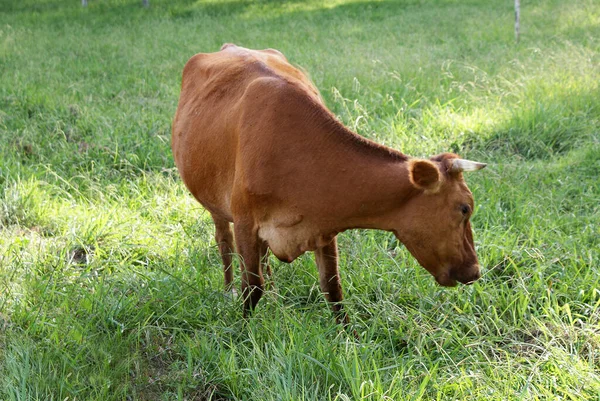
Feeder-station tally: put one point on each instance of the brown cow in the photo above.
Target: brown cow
(256, 146)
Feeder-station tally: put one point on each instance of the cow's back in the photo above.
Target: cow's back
(207, 124)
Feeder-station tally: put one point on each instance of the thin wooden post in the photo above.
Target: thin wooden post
(517, 19)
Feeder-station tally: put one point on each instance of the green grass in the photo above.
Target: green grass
(110, 280)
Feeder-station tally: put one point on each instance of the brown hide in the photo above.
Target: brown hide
(256, 146)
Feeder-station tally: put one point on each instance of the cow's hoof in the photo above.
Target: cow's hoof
(231, 294)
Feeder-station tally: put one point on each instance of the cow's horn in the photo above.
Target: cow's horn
(459, 165)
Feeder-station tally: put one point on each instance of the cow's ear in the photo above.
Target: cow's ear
(424, 174)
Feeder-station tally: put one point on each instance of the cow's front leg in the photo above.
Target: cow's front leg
(249, 250)
(329, 279)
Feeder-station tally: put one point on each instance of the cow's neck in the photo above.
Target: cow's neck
(373, 185)
(381, 191)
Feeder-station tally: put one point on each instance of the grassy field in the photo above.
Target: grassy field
(110, 280)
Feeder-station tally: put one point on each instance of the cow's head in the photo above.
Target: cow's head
(434, 222)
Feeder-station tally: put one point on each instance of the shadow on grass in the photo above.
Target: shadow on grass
(31, 6)
(103, 13)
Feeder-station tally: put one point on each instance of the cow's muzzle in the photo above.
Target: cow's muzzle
(468, 276)
(445, 280)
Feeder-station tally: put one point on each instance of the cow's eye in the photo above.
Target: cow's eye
(465, 209)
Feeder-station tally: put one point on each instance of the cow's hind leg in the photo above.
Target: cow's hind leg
(224, 238)
(329, 279)
(249, 250)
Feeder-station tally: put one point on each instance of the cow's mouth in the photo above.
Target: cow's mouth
(451, 279)
(468, 279)
(445, 280)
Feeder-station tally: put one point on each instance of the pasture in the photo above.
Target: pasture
(111, 284)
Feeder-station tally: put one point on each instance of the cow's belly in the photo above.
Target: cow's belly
(205, 159)
(287, 243)
(210, 186)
